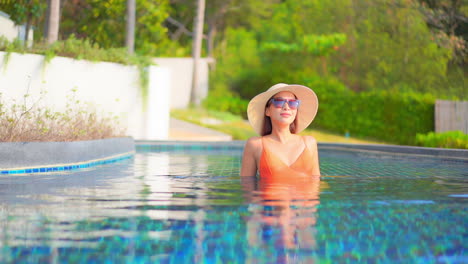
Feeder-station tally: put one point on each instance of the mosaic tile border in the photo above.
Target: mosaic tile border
(238, 145)
(461, 154)
(69, 166)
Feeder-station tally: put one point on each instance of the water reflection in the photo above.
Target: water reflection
(193, 208)
(283, 212)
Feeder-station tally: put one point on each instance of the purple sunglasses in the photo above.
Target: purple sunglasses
(279, 102)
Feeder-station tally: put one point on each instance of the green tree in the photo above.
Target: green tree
(388, 47)
(219, 15)
(448, 20)
(103, 22)
(395, 49)
(27, 12)
(237, 58)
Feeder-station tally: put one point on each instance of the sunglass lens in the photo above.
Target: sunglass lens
(278, 103)
(293, 104)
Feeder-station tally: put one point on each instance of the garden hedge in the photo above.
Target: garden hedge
(391, 117)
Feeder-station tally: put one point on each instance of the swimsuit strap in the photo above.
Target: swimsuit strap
(304, 140)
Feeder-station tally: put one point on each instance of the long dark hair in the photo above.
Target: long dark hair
(268, 127)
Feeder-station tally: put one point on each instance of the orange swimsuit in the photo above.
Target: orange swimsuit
(272, 167)
(281, 184)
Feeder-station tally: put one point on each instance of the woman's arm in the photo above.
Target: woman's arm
(312, 144)
(249, 162)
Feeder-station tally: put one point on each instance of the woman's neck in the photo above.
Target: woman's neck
(281, 134)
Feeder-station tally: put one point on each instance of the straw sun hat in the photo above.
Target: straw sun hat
(305, 113)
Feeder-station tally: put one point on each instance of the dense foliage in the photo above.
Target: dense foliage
(450, 139)
(387, 47)
(377, 66)
(377, 114)
(102, 23)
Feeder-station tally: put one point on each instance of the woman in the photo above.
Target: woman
(279, 153)
(289, 185)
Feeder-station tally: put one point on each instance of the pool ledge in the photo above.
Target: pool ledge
(239, 145)
(397, 149)
(40, 157)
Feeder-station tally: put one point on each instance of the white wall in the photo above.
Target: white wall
(181, 79)
(7, 27)
(11, 31)
(112, 88)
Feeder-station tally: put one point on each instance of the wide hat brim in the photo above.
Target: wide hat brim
(305, 113)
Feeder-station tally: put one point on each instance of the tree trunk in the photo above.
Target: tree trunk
(196, 50)
(27, 27)
(54, 21)
(130, 36)
(46, 22)
(210, 39)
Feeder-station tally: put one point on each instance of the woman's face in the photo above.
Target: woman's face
(284, 114)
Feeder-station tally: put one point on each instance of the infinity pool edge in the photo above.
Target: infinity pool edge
(36, 157)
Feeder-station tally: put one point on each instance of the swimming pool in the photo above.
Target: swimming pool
(181, 203)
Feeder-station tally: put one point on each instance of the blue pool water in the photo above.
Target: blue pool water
(189, 206)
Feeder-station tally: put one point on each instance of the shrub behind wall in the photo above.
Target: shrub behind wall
(449, 139)
(391, 117)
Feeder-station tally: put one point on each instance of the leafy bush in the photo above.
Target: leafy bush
(391, 117)
(388, 116)
(317, 45)
(449, 139)
(226, 102)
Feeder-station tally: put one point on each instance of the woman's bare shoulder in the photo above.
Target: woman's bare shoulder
(254, 142)
(310, 141)
(253, 147)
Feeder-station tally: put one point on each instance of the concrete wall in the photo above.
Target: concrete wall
(181, 79)
(11, 31)
(109, 87)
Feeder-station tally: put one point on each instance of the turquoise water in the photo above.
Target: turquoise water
(189, 206)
